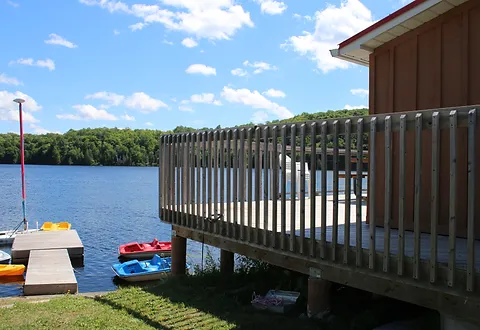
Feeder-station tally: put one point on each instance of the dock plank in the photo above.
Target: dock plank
(47, 240)
(49, 272)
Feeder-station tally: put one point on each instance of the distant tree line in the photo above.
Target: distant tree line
(114, 146)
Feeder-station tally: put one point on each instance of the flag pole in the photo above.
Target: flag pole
(22, 161)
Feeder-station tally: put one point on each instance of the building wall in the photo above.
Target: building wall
(437, 65)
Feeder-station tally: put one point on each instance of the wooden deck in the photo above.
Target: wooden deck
(49, 272)
(442, 248)
(48, 240)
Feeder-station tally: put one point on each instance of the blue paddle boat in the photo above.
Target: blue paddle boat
(148, 270)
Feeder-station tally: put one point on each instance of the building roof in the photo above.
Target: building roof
(357, 48)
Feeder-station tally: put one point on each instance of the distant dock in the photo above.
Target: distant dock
(49, 256)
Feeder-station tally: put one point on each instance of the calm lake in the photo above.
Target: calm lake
(108, 206)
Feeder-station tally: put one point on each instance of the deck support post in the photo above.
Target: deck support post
(179, 255)
(318, 304)
(227, 262)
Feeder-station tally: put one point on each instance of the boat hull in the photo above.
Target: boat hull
(12, 270)
(8, 236)
(4, 257)
(142, 277)
(146, 250)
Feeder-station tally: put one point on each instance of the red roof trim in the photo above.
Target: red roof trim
(383, 21)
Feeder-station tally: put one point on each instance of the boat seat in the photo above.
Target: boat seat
(156, 260)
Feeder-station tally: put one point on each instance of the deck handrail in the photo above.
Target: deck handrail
(230, 172)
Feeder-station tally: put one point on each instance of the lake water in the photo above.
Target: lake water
(108, 206)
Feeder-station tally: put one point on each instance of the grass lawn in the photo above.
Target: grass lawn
(188, 303)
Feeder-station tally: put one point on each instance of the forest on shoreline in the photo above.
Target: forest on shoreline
(114, 146)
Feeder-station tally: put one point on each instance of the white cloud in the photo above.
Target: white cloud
(207, 98)
(13, 4)
(201, 69)
(272, 7)
(359, 91)
(47, 63)
(306, 17)
(353, 107)
(274, 93)
(185, 108)
(143, 102)
(332, 26)
(189, 43)
(260, 66)
(139, 101)
(88, 112)
(116, 32)
(9, 109)
(239, 72)
(127, 117)
(149, 123)
(255, 100)
(113, 99)
(136, 26)
(259, 117)
(55, 39)
(40, 130)
(211, 19)
(4, 79)
(168, 42)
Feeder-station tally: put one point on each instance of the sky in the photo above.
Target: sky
(159, 64)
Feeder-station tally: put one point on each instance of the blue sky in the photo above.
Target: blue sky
(163, 63)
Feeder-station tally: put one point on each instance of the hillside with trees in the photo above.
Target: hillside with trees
(113, 146)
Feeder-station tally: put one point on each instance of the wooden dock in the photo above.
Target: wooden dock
(50, 257)
(49, 272)
(48, 240)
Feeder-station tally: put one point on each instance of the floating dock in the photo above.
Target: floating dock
(49, 272)
(48, 240)
(50, 257)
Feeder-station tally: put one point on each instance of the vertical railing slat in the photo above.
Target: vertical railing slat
(222, 182)
(204, 179)
(348, 195)
(199, 181)
(274, 192)
(215, 180)
(302, 188)
(472, 122)
(453, 199)
(358, 205)
(335, 191)
(250, 183)
(187, 216)
(228, 142)
(372, 193)
(210, 180)
(388, 193)
(235, 183)
(161, 176)
(284, 189)
(179, 179)
(323, 232)
(192, 181)
(266, 154)
(434, 196)
(313, 188)
(417, 194)
(242, 184)
(258, 178)
(293, 186)
(401, 194)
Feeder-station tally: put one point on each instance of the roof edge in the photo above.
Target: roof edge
(337, 54)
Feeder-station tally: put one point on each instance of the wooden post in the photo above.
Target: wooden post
(227, 262)
(179, 255)
(318, 297)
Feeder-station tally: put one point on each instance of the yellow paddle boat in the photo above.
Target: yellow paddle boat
(11, 270)
(49, 226)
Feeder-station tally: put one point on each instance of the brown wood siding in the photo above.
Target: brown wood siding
(434, 66)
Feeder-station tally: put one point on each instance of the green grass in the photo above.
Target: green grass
(177, 303)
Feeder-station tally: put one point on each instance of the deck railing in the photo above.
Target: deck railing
(232, 183)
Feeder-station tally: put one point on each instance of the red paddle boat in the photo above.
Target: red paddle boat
(146, 250)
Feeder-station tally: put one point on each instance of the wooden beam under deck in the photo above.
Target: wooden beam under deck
(455, 302)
